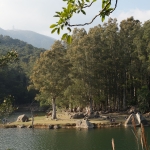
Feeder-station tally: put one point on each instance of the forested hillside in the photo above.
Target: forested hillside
(108, 68)
(14, 78)
(33, 38)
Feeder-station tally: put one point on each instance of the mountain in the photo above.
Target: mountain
(26, 52)
(33, 38)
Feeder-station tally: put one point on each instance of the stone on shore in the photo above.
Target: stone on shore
(21, 126)
(22, 118)
(84, 124)
(56, 126)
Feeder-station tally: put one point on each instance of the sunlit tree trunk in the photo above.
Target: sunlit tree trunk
(54, 108)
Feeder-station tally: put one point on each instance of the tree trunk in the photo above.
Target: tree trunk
(124, 92)
(124, 98)
(90, 106)
(54, 108)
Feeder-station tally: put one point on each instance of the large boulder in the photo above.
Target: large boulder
(133, 109)
(77, 116)
(22, 118)
(84, 124)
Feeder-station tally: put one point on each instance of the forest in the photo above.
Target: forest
(106, 68)
(14, 77)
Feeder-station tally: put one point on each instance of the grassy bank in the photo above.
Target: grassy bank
(63, 119)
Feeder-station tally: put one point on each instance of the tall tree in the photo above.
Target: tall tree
(130, 63)
(50, 74)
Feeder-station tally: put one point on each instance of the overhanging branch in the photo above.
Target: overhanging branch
(88, 5)
(71, 25)
(115, 6)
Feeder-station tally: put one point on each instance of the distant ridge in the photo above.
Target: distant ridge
(33, 38)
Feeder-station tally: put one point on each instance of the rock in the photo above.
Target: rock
(133, 109)
(22, 118)
(84, 124)
(96, 114)
(77, 116)
(51, 126)
(21, 126)
(29, 126)
(56, 126)
(105, 117)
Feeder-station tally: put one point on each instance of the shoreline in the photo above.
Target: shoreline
(59, 126)
(63, 120)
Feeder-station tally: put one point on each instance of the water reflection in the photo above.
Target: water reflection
(65, 139)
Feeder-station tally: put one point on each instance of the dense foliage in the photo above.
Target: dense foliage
(106, 68)
(16, 62)
(109, 66)
(50, 74)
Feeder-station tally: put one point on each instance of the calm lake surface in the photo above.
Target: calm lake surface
(69, 139)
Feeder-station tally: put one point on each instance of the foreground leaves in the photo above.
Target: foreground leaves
(77, 7)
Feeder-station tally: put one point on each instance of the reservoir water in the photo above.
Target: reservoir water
(69, 139)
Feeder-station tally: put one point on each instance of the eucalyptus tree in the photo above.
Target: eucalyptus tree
(129, 29)
(110, 59)
(98, 47)
(143, 51)
(83, 53)
(50, 74)
(74, 94)
(77, 58)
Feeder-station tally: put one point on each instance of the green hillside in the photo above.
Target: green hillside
(14, 78)
(33, 38)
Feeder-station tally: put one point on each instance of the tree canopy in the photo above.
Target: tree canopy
(50, 75)
(16, 61)
(109, 68)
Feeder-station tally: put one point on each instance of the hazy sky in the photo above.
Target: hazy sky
(37, 15)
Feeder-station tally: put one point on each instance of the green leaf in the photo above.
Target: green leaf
(83, 12)
(66, 23)
(103, 18)
(69, 7)
(53, 25)
(69, 39)
(103, 3)
(110, 9)
(58, 31)
(56, 16)
(58, 12)
(108, 6)
(69, 29)
(62, 26)
(79, 3)
(53, 30)
(64, 36)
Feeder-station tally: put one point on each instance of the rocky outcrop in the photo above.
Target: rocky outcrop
(56, 126)
(77, 116)
(21, 126)
(22, 118)
(84, 124)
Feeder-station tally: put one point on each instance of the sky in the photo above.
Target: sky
(37, 15)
